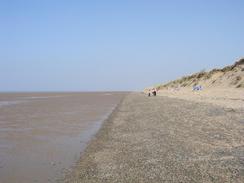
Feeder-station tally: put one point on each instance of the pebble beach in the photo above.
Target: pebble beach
(162, 139)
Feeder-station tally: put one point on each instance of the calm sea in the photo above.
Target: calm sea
(43, 134)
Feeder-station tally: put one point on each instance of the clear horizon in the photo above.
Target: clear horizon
(114, 46)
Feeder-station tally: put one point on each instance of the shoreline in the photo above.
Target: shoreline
(137, 143)
(91, 144)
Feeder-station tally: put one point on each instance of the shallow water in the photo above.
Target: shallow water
(42, 134)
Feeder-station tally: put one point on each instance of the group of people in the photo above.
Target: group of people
(152, 92)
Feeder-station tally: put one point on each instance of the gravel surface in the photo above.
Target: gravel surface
(160, 139)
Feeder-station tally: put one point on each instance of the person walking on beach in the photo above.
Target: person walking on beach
(149, 93)
(154, 92)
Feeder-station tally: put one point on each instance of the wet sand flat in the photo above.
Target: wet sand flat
(161, 139)
(42, 134)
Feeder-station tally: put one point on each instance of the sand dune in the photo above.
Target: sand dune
(224, 87)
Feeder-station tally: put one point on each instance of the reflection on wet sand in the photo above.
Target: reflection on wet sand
(42, 134)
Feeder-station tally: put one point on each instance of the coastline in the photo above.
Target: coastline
(91, 145)
(161, 139)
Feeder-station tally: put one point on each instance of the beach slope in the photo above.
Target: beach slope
(161, 139)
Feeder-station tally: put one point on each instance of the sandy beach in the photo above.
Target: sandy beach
(223, 97)
(162, 139)
(130, 91)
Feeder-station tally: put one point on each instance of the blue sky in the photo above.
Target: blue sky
(78, 45)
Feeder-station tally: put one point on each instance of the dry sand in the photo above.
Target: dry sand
(224, 97)
(161, 139)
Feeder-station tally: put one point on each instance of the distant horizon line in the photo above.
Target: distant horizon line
(68, 91)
